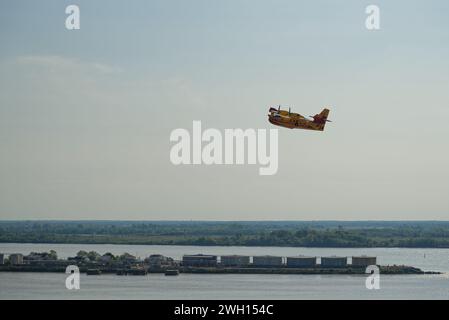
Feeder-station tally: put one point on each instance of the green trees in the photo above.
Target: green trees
(245, 233)
(91, 255)
(53, 255)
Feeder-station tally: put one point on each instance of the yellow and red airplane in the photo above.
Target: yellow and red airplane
(287, 119)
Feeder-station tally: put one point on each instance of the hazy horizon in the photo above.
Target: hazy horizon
(226, 221)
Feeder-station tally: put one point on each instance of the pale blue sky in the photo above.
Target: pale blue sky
(85, 116)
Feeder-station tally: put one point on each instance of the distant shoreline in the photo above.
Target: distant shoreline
(216, 245)
(307, 234)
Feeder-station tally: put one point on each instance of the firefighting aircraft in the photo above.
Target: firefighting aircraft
(291, 120)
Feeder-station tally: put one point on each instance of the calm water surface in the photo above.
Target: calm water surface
(231, 286)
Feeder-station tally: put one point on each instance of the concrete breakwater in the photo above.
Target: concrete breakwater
(318, 270)
(218, 270)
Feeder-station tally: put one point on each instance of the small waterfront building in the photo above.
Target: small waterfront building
(48, 263)
(16, 258)
(199, 260)
(267, 261)
(128, 258)
(301, 262)
(363, 261)
(41, 256)
(334, 262)
(2, 258)
(235, 260)
(106, 258)
(78, 259)
(158, 260)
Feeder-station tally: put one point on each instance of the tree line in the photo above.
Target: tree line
(299, 234)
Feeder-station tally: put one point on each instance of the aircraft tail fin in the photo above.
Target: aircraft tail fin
(321, 118)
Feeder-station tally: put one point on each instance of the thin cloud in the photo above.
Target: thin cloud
(55, 62)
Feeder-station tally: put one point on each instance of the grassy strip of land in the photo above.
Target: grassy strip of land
(427, 234)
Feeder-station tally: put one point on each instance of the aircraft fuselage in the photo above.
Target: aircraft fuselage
(290, 120)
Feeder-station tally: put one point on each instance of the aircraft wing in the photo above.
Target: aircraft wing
(297, 116)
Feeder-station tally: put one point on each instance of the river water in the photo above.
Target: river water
(232, 286)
